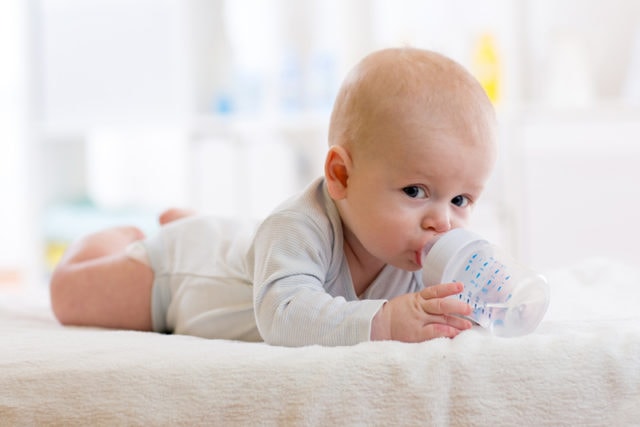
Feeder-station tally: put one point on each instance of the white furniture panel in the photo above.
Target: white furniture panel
(581, 189)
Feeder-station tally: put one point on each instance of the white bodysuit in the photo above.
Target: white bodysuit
(286, 281)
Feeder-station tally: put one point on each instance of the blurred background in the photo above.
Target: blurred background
(111, 110)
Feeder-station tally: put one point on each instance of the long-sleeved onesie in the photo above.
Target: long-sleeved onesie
(286, 281)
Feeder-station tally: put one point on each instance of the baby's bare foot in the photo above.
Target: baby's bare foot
(173, 214)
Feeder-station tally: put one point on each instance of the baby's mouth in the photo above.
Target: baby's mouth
(424, 250)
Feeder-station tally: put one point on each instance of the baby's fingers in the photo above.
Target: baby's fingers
(435, 300)
(439, 330)
(457, 322)
(442, 290)
(445, 306)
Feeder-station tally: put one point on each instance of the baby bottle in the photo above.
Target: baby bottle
(505, 297)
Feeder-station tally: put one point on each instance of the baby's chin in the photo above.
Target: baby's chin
(407, 266)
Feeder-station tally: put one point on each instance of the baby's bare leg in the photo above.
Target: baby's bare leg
(97, 284)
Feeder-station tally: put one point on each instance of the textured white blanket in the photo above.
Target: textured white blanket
(582, 367)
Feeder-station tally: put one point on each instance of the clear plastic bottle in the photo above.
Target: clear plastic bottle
(506, 297)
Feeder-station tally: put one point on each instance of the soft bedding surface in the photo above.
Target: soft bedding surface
(581, 367)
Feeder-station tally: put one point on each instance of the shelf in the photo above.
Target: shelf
(282, 122)
(605, 112)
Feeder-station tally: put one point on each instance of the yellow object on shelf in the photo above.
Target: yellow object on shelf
(53, 253)
(487, 67)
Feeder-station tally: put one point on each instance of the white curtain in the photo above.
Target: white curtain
(17, 237)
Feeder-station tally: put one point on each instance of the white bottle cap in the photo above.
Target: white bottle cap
(446, 248)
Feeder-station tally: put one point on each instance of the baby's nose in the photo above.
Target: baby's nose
(437, 220)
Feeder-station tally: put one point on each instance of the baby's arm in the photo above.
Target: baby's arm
(291, 263)
(422, 315)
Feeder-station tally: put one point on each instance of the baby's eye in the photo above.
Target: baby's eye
(460, 201)
(415, 192)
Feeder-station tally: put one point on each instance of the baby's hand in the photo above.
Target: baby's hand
(423, 315)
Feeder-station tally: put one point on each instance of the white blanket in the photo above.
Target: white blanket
(581, 367)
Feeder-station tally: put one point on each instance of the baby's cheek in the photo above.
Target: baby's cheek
(461, 220)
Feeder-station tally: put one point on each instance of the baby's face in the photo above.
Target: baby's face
(422, 185)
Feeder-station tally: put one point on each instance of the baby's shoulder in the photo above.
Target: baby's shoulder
(310, 218)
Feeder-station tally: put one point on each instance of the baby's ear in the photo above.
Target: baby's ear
(336, 171)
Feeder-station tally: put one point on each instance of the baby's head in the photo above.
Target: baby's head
(394, 88)
(412, 144)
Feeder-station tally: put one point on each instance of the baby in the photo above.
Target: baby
(411, 147)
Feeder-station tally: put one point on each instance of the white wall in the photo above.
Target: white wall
(17, 239)
(214, 87)
(593, 39)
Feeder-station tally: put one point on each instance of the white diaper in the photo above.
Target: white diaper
(201, 286)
